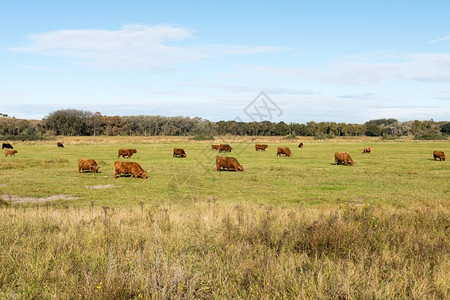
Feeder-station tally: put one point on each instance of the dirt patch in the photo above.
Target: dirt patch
(18, 199)
(98, 187)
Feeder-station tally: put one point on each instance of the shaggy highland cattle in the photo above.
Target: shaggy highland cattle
(178, 152)
(60, 145)
(343, 158)
(228, 163)
(439, 154)
(215, 147)
(126, 153)
(261, 147)
(300, 145)
(87, 165)
(284, 150)
(368, 149)
(10, 152)
(224, 148)
(7, 146)
(128, 167)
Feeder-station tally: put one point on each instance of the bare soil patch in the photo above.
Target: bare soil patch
(99, 186)
(19, 199)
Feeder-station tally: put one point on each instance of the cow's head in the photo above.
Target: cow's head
(351, 162)
(240, 168)
(134, 151)
(143, 175)
(94, 169)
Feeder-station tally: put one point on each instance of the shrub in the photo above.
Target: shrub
(373, 130)
(430, 136)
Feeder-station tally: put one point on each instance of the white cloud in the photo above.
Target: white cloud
(423, 67)
(445, 38)
(159, 47)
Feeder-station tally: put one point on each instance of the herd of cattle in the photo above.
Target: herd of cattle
(222, 162)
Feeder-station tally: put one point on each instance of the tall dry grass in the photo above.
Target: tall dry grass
(214, 250)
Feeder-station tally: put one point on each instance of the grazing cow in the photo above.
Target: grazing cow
(87, 165)
(128, 167)
(126, 152)
(228, 163)
(439, 154)
(59, 144)
(224, 148)
(343, 158)
(368, 149)
(7, 146)
(10, 152)
(261, 147)
(284, 150)
(300, 145)
(215, 147)
(179, 152)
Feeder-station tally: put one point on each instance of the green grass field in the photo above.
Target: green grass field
(285, 228)
(397, 172)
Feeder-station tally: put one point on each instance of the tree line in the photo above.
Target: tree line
(72, 122)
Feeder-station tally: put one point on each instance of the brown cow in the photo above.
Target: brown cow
(60, 145)
(439, 154)
(129, 167)
(179, 152)
(300, 145)
(87, 165)
(284, 150)
(343, 158)
(10, 152)
(224, 148)
(215, 147)
(368, 149)
(228, 163)
(126, 152)
(261, 147)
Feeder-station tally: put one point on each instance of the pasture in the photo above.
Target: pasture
(397, 172)
(295, 227)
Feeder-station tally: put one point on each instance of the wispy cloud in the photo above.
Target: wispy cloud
(423, 67)
(159, 47)
(445, 38)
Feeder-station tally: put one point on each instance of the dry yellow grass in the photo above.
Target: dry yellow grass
(214, 250)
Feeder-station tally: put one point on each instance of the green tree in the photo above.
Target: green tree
(373, 130)
(445, 128)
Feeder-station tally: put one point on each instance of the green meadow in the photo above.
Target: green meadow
(295, 227)
(397, 172)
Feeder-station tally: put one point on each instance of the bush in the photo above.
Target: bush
(373, 130)
(430, 136)
(290, 136)
(323, 136)
(29, 134)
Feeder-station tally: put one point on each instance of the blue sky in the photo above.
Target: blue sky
(345, 61)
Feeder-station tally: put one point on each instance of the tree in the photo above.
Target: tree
(373, 130)
(445, 128)
(69, 122)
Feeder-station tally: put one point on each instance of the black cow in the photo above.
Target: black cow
(7, 146)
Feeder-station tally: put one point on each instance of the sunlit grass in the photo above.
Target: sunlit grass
(217, 250)
(297, 228)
